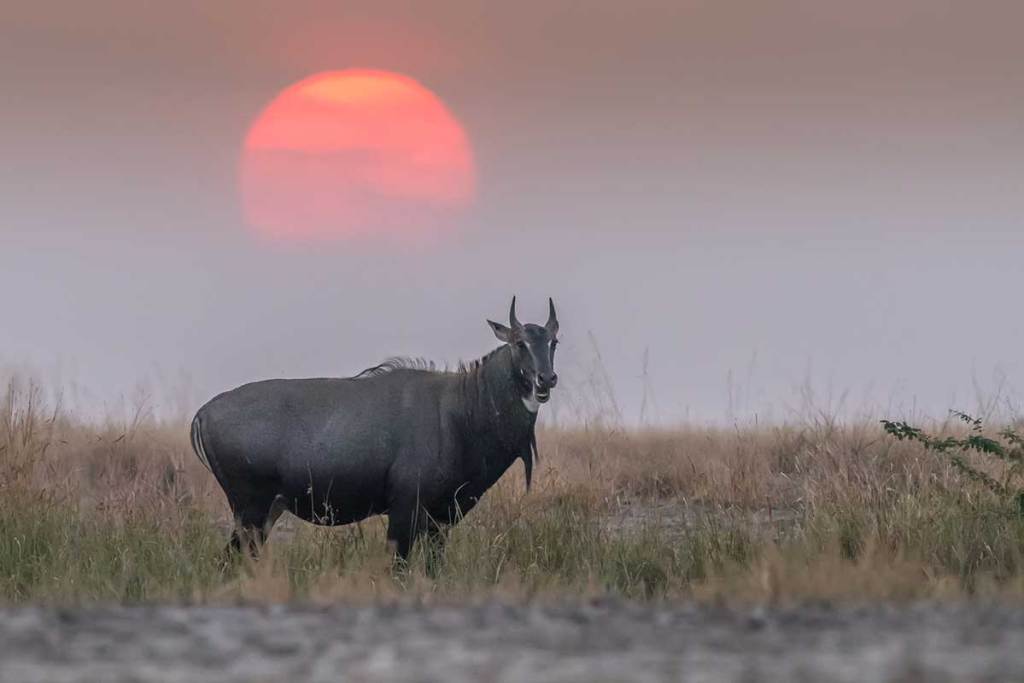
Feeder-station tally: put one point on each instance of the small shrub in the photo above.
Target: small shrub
(1007, 453)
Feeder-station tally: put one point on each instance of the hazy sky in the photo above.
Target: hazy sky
(752, 194)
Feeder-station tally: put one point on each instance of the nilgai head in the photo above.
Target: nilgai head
(533, 354)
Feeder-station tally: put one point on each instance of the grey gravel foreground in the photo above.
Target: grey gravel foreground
(607, 641)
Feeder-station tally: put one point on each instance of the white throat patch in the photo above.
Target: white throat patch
(531, 402)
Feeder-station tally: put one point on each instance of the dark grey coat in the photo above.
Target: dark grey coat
(419, 445)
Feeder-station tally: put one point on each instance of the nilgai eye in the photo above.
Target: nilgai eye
(521, 345)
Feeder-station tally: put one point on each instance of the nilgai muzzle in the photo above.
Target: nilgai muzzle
(402, 439)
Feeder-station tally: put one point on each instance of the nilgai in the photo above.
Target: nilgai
(402, 439)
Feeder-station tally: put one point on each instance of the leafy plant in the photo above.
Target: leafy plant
(1010, 450)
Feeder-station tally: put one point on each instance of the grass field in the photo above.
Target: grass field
(123, 511)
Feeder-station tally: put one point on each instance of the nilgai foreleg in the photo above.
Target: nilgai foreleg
(405, 525)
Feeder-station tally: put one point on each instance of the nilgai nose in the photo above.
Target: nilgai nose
(401, 438)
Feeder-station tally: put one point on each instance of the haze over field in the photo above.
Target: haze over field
(751, 194)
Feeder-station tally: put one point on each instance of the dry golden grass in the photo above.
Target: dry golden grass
(124, 511)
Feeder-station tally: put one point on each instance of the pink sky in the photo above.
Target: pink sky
(767, 192)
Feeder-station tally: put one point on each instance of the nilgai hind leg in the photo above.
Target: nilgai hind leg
(254, 518)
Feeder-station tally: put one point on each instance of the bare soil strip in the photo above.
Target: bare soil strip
(591, 642)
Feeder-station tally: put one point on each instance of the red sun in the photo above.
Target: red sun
(355, 153)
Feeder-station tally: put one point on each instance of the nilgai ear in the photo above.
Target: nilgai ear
(500, 331)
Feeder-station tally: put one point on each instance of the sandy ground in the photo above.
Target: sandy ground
(594, 642)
